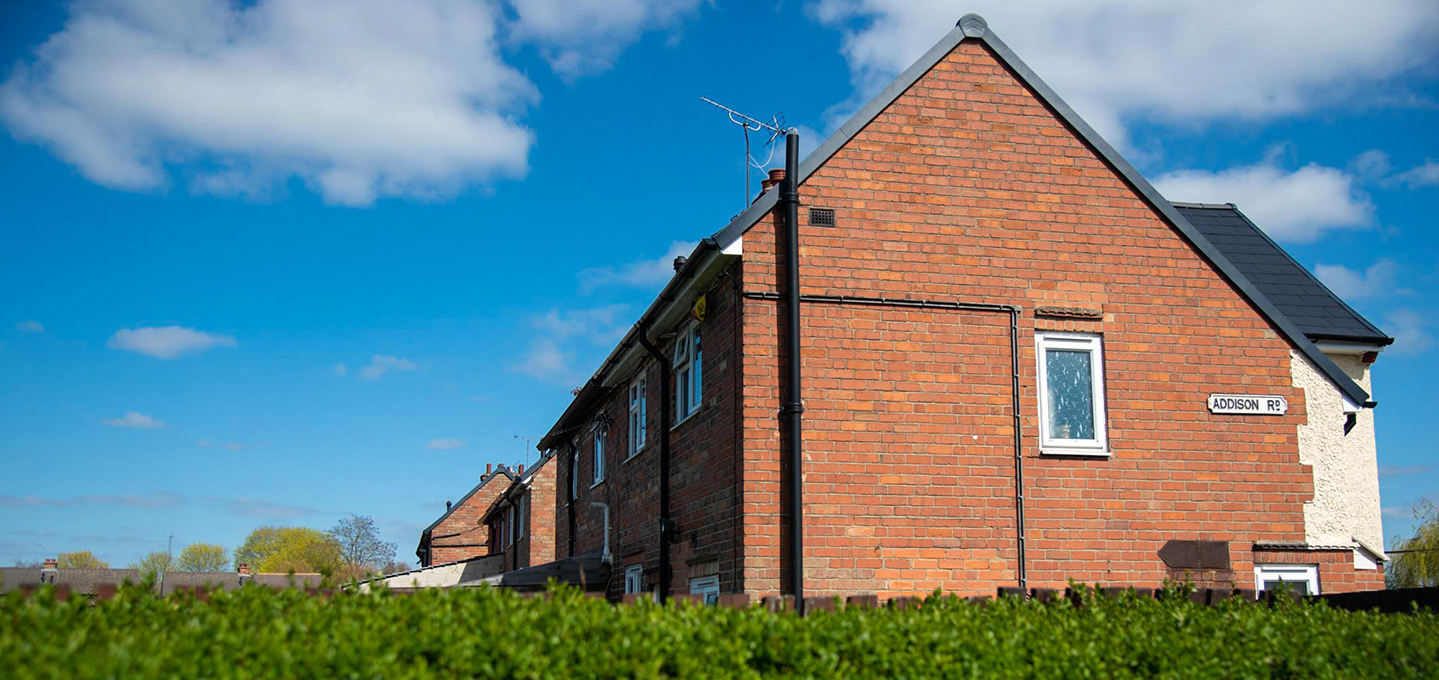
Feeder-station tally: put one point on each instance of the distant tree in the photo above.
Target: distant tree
(30, 564)
(361, 549)
(289, 549)
(395, 567)
(1416, 561)
(258, 546)
(205, 557)
(80, 559)
(154, 563)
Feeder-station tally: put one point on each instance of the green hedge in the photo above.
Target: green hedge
(285, 634)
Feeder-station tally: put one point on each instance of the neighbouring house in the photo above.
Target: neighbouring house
(88, 581)
(460, 533)
(1020, 364)
(517, 532)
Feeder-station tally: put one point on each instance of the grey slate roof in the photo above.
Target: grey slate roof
(1311, 306)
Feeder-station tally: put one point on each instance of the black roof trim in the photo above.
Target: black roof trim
(974, 26)
(484, 481)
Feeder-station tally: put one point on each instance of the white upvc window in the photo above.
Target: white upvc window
(1071, 394)
(637, 416)
(1303, 578)
(521, 508)
(511, 527)
(707, 586)
(575, 473)
(599, 457)
(689, 373)
(634, 579)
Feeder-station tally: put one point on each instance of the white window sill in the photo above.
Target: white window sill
(597, 483)
(634, 455)
(686, 419)
(1066, 452)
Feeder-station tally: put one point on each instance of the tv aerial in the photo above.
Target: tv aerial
(775, 128)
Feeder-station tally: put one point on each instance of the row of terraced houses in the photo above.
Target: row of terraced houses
(1021, 365)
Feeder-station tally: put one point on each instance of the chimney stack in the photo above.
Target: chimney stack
(775, 177)
(243, 569)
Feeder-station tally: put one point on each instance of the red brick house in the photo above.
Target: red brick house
(521, 519)
(460, 533)
(1021, 365)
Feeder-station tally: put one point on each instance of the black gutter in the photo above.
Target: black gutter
(792, 411)
(1013, 312)
(666, 415)
(591, 389)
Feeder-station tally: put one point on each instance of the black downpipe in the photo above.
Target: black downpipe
(1013, 311)
(793, 409)
(666, 415)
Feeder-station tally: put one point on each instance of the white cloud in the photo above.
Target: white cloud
(584, 36)
(546, 360)
(149, 501)
(1115, 60)
(1372, 164)
(1409, 330)
(1294, 207)
(1422, 176)
(599, 324)
(641, 274)
(205, 443)
(135, 420)
(1381, 278)
(381, 364)
(167, 342)
(360, 99)
(341, 370)
(30, 327)
(445, 444)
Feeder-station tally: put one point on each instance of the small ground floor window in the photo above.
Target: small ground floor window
(1303, 578)
(707, 586)
(634, 579)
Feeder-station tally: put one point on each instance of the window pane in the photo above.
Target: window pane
(698, 394)
(1071, 394)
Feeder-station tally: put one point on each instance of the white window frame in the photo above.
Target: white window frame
(708, 586)
(688, 372)
(520, 517)
(575, 473)
(597, 455)
(1307, 574)
(634, 579)
(637, 411)
(1074, 342)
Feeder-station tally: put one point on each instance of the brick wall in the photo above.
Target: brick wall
(462, 534)
(703, 492)
(968, 188)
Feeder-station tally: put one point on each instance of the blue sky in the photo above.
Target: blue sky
(274, 262)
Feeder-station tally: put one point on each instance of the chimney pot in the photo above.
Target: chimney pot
(522, 470)
(489, 468)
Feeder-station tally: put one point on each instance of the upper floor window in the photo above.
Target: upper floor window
(521, 508)
(1071, 394)
(689, 377)
(637, 415)
(575, 474)
(513, 531)
(599, 437)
